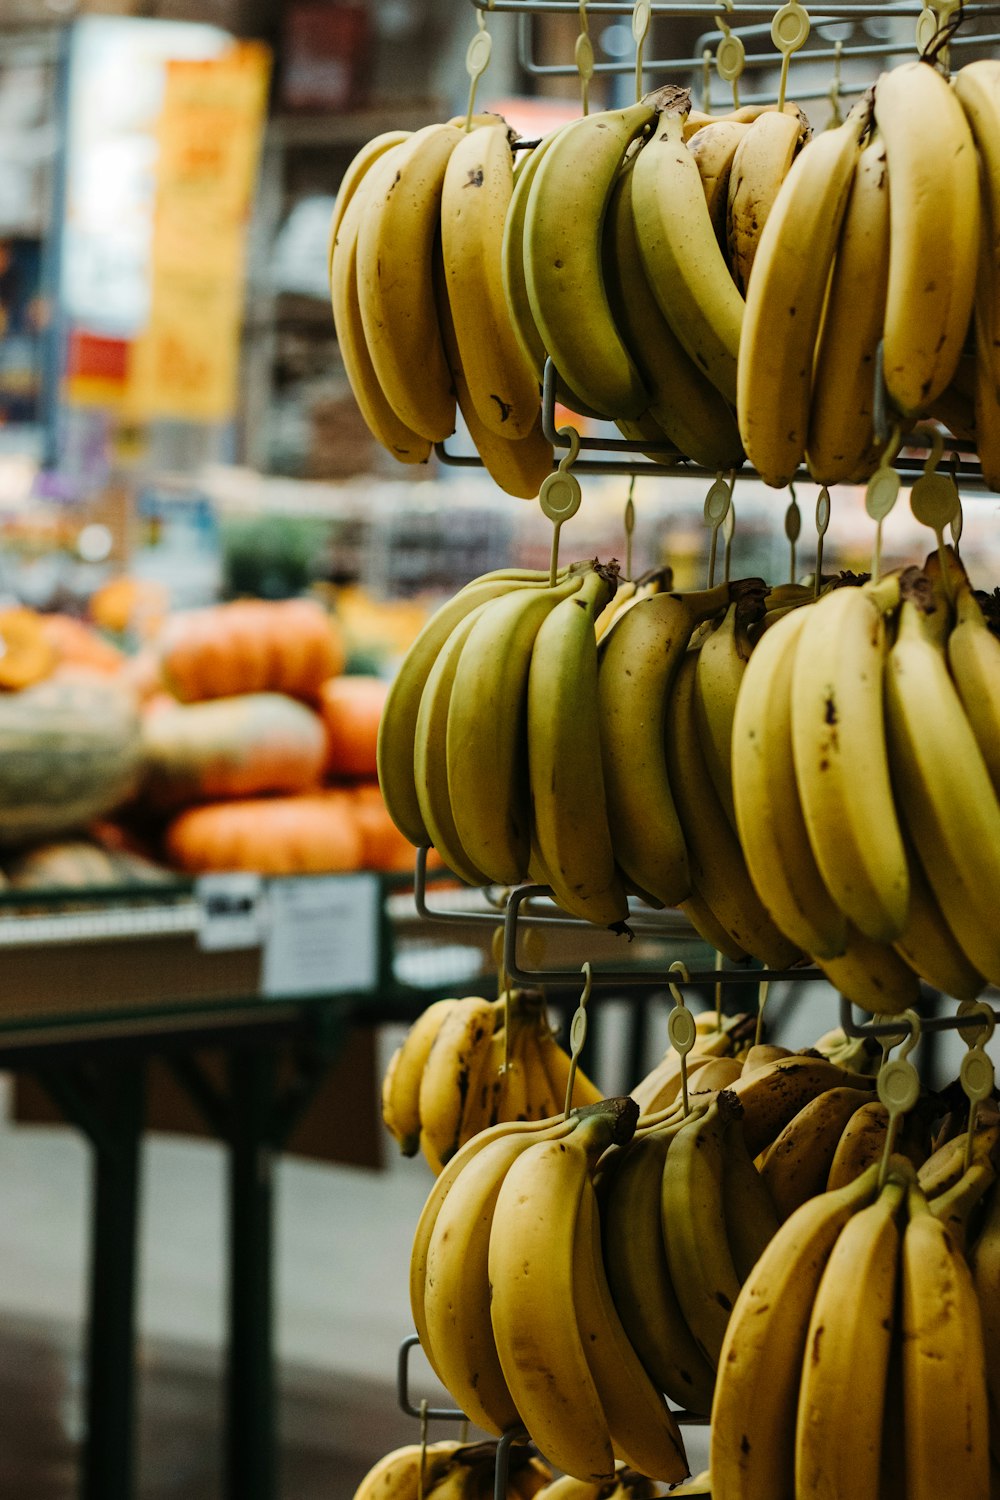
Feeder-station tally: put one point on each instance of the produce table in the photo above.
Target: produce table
(94, 992)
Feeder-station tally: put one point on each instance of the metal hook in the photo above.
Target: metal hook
(578, 1034)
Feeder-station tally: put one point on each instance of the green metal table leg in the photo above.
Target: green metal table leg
(251, 1437)
(108, 1469)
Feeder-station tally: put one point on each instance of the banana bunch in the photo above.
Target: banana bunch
(418, 300)
(626, 1485)
(512, 1306)
(854, 1363)
(874, 236)
(864, 800)
(467, 1063)
(452, 1471)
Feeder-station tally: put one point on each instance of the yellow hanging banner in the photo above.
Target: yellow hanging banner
(185, 362)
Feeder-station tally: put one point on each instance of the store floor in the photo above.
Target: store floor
(343, 1242)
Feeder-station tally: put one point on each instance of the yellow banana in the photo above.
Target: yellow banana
(840, 444)
(694, 1228)
(874, 975)
(946, 1416)
(752, 1450)
(568, 804)
(751, 1218)
(774, 1094)
(714, 147)
(639, 1275)
(531, 1271)
(397, 1476)
(945, 794)
(928, 945)
(974, 662)
(984, 1258)
(430, 764)
(487, 748)
(762, 162)
(767, 806)
(721, 662)
(396, 248)
(846, 1366)
(957, 1207)
(643, 1430)
(841, 760)
(401, 1085)
(476, 192)
(638, 660)
(785, 298)
(358, 168)
(797, 1165)
(682, 400)
(718, 870)
(452, 1061)
(380, 417)
(934, 220)
(684, 264)
(563, 261)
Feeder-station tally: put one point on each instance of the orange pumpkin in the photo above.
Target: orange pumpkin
(26, 655)
(230, 747)
(75, 641)
(309, 834)
(351, 707)
(251, 646)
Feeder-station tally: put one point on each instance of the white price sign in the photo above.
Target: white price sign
(322, 935)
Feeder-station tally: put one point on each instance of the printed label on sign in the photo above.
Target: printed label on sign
(230, 914)
(322, 935)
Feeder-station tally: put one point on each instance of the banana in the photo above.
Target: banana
(380, 417)
(846, 1366)
(638, 661)
(568, 1488)
(984, 1259)
(357, 169)
(524, 1133)
(397, 1476)
(944, 1168)
(957, 1206)
(512, 258)
(718, 869)
(475, 195)
(708, 927)
(487, 750)
(785, 298)
(639, 1275)
(642, 1428)
(531, 1259)
(752, 1449)
(396, 248)
(774, 1094)
(684, 264)
(525, 1480)
(430, 765)
(797, 1165)
(975, 86)
(944, 789)
(694, 1227)
(682, 400)
(543, 1101)
(517, 464)
(762, 161)
(751, 1217)
(563, 261)
(946, 1417)
(714, 147)
(974, 662)
(841, 760)
(766, 800)
(840, 443)
(762, 1054)
(460, 1342)
(512, 1095)
(928, 945)
(629, 592)
(861, 1144)
(661, 1085)
(566, 777)
(873, 975)
(401, 1085)
(934, 220)
(451, 1065)
(721, 662)
(398, 722)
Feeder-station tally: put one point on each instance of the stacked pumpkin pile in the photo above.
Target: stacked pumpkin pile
(236, 741)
